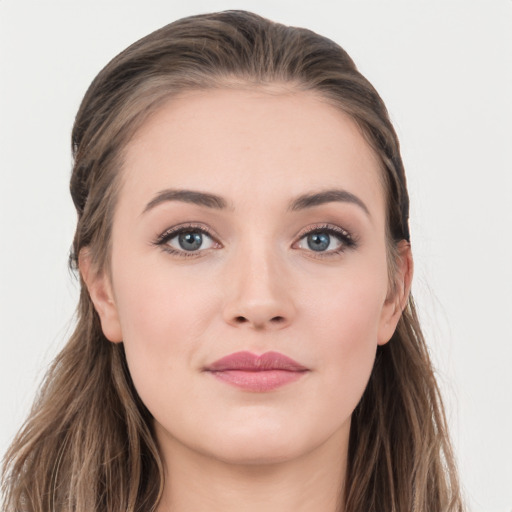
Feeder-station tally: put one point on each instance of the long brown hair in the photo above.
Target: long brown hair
(88, 444)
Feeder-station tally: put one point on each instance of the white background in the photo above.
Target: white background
(443, 68)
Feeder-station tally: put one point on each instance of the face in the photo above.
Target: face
(249, 223)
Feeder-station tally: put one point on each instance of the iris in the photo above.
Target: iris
(318, 241)
(190, 241)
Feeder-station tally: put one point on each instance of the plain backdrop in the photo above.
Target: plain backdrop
(444, 70)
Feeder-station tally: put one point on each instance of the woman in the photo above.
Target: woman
(245, 333)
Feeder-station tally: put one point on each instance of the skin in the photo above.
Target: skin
(255, 285)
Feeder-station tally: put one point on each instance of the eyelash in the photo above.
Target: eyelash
(163, 240)
(346, 240)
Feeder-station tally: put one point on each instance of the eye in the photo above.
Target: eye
(328, 239)
(186, 240)
(190, 241)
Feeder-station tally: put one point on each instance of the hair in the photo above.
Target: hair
(88, 444)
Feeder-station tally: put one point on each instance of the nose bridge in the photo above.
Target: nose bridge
(259, 294)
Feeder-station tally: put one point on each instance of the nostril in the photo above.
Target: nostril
(276, 320)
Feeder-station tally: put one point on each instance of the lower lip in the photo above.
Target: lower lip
(258, 381)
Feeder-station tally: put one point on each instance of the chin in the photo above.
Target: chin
(257, 453)
(262, 445)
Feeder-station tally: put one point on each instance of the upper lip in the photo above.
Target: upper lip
(247, 361)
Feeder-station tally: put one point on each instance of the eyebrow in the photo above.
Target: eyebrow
(219, 203)
(327, 196)
(187, 196)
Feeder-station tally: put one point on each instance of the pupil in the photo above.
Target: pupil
(190, 241)
(318, 241)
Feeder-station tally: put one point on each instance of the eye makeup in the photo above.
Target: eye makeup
(318, 235)
(193, 240)
(187, 234)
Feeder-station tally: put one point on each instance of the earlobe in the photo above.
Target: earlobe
(100, 290)
(396, 302)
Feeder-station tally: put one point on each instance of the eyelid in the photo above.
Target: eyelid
(347, 240)
(163, 239)
(324, 227)
(186, 226)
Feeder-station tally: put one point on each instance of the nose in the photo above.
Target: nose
(260, 293)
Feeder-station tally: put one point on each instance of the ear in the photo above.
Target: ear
(99, 287)
(396, 301)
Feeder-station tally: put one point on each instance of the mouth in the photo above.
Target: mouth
(251, 372)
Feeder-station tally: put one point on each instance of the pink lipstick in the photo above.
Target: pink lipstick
(251, 372)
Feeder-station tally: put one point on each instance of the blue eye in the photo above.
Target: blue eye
(318, 241)
(327, 239)
(190, 241)
(185, 240)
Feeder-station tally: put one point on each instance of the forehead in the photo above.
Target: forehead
(260, 142)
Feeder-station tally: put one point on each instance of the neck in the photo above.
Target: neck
(311, 482)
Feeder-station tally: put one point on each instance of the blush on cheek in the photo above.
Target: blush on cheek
(351, 326)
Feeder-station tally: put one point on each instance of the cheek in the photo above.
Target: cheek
(163, 319)
(155, 299)
(350, 304)
(347, 323)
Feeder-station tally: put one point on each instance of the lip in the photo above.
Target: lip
(257, 373)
